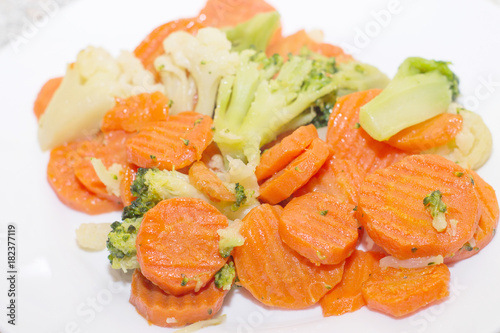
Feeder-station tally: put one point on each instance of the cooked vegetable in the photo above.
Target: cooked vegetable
(93, 236)
(227, 13)
(230, 238)
(45, 96)
(433, 202)
(207, 182)
(225, 276)
(110, 177)
(121, 244)
(420, 90)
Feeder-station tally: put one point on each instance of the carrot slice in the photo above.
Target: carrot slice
(319, 228)
(128, 177)
(152, 46)
(228, 13)
(431, 133)
(399, 292)
(338, 177)
(68, 189)
(280, 155)
(45, 95)
(206, 181)
(275, 274)
(132, 113)
(110, 149)
(296, 174)
(347, 296)
(178, 245)
(487, 223)
(165, 310)
(294, 43)
(392, 211)
(175, 143)
(351, 142)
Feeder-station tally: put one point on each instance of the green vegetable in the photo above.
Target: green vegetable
(121, 244)
(230, 238)
(225, 276)
(254, 33)
(241, 197)
(420, 90)
(437, 208)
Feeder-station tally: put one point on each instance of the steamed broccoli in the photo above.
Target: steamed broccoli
(254, 33)
(230, 238)
(121, 244)
(225, 276)
(433, 202)
(253, 106)
(420, 90)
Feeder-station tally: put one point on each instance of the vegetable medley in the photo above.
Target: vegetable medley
(205, 137)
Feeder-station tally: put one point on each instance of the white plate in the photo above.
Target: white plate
(63, 289)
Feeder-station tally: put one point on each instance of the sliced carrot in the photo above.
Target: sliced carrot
(294, 43)
(431, 133)
(319, 228)
(175, 143)
(280, 155)
(161, 309)
(351, 142)
(338, 177)
(206, 181)
(68, 189)
(347, 296)
(228, 13)
(399, 292)
(275, 274)
(178, 245)
(45, 95)
(128, 177)
(152, 46)
(392, 211)
(487, 223)
(132, 113)
(296, 174)
(110, 149)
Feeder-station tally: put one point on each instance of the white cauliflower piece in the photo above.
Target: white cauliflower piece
(93, 236)
(110, 177)
(206, 57)
(88, 91)
(472, 146)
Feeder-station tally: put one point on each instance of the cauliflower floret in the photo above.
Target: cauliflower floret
(88, 91)
(205, 58)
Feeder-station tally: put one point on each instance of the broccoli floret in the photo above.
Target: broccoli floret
(230, 238)
(225, 276)
(433, 202)
(241, 197)
(254, 33)
(145, 199)
(121, 244)
(420, 90)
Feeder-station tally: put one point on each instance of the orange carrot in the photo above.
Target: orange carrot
(319, 228)
(347, 295)
(175, 143)
(228, 13)
(128, 177)
(132, 113)
(338, 177)
(294, 43)
(45, 95)
(351, 142)
(178, 245)
(152, 46)
(206, 181)
(110, 149)
(488, 221)
(68, 189)
(161, 309)
(280, 155)
(275, 274)
(392, 210)
(431, 133)
(296, 174)
(399, 292)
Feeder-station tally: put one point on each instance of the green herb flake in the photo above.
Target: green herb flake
(355, 208)
(458, 173)
(153, 157)
(185, 280)
(186, 142)
(431, 263)
(357, 125)
(323, 212)
(328, 287)
(472, 180)
(209, 311)
(413, 249)
(170, 103)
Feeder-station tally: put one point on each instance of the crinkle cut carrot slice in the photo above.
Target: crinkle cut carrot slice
(272, 272)
(351, 142)
(228, 13)
(206, 181)
(392, 211)
(165, 310)
(178, 245)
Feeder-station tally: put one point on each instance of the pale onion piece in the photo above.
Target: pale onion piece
(202, 324)
(439, 222)
(453, 227)
(93, 236)
(88, 91)
(472, 146)
(390, 261)
(472, 242)
(110, 177)
(171, 320)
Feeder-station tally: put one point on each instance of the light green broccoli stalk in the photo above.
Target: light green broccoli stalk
(421, 89)
(225, 276)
